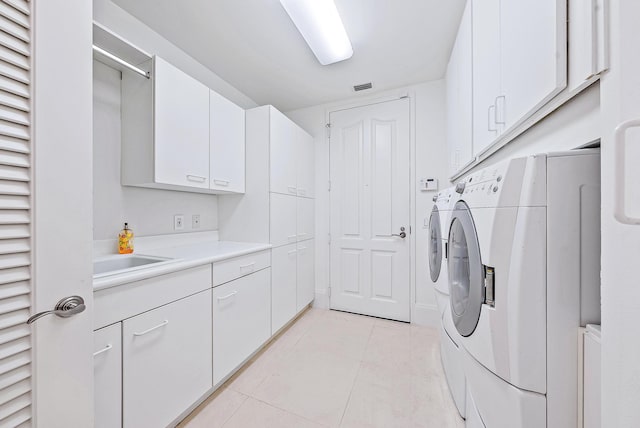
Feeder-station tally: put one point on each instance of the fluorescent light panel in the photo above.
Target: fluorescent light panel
(319, 23)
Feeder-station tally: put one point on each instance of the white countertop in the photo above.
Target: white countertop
(185, 250)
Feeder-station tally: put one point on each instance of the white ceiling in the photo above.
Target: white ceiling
(253, 45)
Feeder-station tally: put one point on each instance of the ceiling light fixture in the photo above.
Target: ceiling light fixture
(319, 23)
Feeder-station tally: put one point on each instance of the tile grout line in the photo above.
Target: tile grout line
(346, 406)
(246, 397)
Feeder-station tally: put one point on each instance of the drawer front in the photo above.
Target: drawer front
(241, 321)
(107, 375)
(283, 286)
(114, 304)
(306, 274)
(283, 228)
(166, 361)
(228, 270)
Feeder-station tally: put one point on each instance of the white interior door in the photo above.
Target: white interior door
(59, 140)
(370, 203)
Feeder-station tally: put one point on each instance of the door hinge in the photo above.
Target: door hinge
(329, 186)
(329, 291)
(328, 127)
(329, 235)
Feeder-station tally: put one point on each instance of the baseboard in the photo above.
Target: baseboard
(322, 299)
(427, 315)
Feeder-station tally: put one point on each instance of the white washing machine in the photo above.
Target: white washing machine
(449, 348)
(524, 275)
(438, 237)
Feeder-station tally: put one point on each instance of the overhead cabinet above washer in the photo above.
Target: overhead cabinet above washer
(178, 134)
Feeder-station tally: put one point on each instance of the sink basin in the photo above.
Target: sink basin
(113, 265)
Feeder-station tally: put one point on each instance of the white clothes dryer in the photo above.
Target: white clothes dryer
(438, 238)
(438, 243)
(524, 263)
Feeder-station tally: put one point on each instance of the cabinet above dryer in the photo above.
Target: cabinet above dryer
(177, 134)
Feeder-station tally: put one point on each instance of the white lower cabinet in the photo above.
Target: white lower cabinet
(166, 361)
(107, 375)
(305, 274)
(241, 321)
(283, 286)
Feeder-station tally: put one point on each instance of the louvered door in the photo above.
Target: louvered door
(15, 256)
(45, 126)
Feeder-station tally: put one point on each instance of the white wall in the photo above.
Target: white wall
(429, 160)
(148, 211)
(131, 29)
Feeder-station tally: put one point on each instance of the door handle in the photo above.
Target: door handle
(499, 110)
(402, 233)
(489, 116)
(65, 308)
(620, 204)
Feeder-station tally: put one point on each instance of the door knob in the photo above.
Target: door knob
(65, 308)
(402, 233)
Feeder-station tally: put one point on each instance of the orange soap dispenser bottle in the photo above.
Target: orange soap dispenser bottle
(125, 240)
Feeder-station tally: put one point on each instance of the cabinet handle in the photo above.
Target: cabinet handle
(228, 296)
(290, 237)
(302, 248)
(247, 265)
(224, 183)
(162, 324)
(292, 252)
(501, 110)
(197, 178)
(302, 192)
(105, 349)
(293, 189)
(489, 115)
(620, 140)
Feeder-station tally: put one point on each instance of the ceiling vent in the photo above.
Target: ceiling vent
(363, 87)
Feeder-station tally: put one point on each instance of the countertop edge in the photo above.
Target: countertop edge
(104, 283)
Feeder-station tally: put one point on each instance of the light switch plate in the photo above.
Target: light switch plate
(178, 222)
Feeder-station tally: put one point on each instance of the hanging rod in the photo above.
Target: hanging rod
(122, 62)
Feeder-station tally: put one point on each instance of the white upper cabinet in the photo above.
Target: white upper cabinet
(533, 49)
(178, 134)
(459, 97)
(486, 72)
(284, 166)
(306, 164)
(181, 127)
(514, 53)
(227, 138)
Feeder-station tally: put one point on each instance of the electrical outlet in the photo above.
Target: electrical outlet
(195, 221)
(178, 222)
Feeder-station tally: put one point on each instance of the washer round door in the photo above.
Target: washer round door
(435, 245)
(466, 274)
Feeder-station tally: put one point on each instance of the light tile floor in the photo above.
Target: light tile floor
(334, 369)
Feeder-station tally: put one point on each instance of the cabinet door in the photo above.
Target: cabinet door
(283, 219)
(306, 164)
(181, 127)
(227, 138)
(306, 274)
(107, 376)
(283, 286)
(305, 218)
(534, 55)
(241, 321)
(284, 167)
(486, 72)
(167, 361)
(459, 96)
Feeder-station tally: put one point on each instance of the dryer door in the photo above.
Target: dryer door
(435, 244)
(466, 274)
